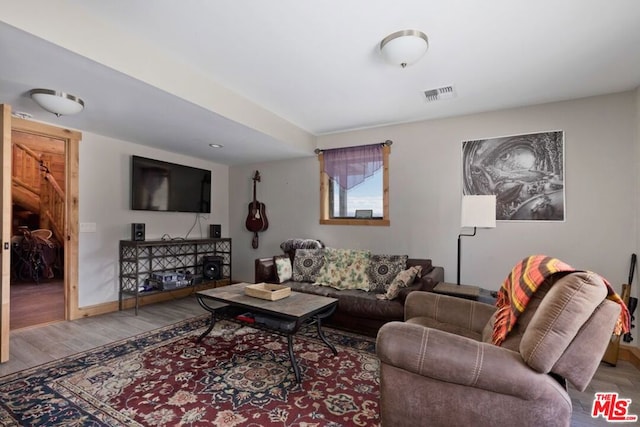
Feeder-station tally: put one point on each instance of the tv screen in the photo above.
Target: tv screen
(164, 186)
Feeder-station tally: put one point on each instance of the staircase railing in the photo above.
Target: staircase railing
(52, 206)
(26, 169)
(32, 174)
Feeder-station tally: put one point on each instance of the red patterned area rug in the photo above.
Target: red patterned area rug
(237, 376)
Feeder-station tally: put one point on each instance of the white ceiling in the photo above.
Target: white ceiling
(264, 78)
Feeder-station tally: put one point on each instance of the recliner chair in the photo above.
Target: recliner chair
(439, 367)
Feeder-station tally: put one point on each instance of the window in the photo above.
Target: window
(354, 185)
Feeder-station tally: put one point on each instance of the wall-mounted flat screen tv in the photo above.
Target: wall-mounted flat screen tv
(164, 186)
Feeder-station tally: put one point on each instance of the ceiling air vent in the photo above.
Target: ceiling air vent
(445, 92)
(21, 115)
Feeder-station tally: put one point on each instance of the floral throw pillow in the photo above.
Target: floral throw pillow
(402, 280)
(383, 269)
(345, 269)
(284, 271)
(306, 264)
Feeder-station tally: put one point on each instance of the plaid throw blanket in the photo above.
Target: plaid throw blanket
(524, 280)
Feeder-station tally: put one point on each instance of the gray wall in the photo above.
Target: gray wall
(599, 234)
(104, 197)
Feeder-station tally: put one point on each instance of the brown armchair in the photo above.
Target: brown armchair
(439, 368)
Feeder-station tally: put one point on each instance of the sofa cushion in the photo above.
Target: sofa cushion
(426, 265)
(383, 269)
(345, 269)
(306, 264)
(283, 268)
(354, 301)
(430, 322)
(402, 280)
(365, 304)
(567, 306)
(312, 288)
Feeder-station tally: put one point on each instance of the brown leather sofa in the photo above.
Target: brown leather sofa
(439, 367)
(359, 311)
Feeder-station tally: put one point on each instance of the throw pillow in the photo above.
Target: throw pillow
(383, 269)
(306, 264)
(345, 269)
(283, 268)
(402, 280)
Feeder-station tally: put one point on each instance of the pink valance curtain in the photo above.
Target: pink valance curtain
(352, 165)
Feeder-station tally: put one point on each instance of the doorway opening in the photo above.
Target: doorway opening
(37, 229)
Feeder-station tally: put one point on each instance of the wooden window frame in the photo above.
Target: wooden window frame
(325, 217)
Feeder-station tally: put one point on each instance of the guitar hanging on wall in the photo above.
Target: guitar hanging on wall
(257, 218)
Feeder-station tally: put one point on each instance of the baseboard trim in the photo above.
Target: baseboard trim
(127, 303)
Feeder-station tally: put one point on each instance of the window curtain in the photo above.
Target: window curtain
(352, 165)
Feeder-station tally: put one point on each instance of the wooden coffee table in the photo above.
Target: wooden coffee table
(285, 316)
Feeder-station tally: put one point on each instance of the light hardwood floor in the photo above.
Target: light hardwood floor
(36, 303)
(37, 345)
(40, 344)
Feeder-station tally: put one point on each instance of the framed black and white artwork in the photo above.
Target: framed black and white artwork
(525, 172)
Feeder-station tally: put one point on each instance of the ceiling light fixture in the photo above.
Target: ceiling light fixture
(58, 103)
(404, 47)
(216, 145)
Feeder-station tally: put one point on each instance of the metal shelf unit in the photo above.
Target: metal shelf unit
(139, 259)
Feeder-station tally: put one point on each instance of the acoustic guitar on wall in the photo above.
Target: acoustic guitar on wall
(257, 218)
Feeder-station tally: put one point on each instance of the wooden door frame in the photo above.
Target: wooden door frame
(71, 141)
(5, 208)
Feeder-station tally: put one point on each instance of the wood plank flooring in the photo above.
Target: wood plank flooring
(623, 379)
(40, 344)
(36, 345)
(36, 304)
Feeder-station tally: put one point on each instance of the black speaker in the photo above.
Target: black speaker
(215, 231)
(137, 232)
(212, 267)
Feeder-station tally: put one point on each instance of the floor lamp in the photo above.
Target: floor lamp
(477, 212)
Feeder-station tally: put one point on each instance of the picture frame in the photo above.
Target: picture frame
(364, 213)
(525, 172)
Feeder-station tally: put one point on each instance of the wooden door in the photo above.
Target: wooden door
(71, 140)
(5, 200)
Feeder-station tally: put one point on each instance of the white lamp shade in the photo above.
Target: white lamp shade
(58, 103)
(479, 211)
(404, 47)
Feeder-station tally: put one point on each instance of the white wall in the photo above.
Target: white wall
(602, 135)
(599, 233)
(104, 200)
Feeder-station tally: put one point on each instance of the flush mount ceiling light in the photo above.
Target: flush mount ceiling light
(58, 103)
(216, 145)
(404, 47)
